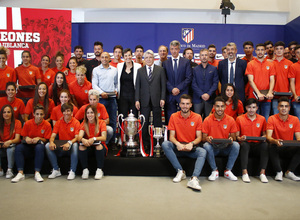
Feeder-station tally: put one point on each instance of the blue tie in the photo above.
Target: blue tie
(231, 73)
(150, 73)
(175, 66)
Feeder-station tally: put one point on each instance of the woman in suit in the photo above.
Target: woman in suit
(127, 73)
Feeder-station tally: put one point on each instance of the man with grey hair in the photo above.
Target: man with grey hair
(163, 55)
(150, 92)
(232, 70)
(178, 75)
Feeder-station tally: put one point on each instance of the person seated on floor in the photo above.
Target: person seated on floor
(10, 135)
(185, 136)
(281, 127)
(252, 124)
(220, 126)
(92, 134)
(67, 129)
(35, 133)
(94, 96)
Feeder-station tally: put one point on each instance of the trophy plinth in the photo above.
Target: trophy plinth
(157, 134)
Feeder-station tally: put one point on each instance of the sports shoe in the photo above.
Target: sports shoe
(9, 174)
(292, 176)
(38, 177)
(263, 178)
(54, 174)
(85, 174)
(245, 178)
(71, 175)
(99, 174)
(18, 178)
(278, 176)
(214, 175)
(229, 175)
(180, 176)
(1, 173)
(194, 183)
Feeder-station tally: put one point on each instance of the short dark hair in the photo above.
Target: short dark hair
(211, 46)
(186, 96)
(223, 48)
(11, 84)
(78, 47)
(279, 43)
(248, 43)
(118, 47)
(186, 49)
(38, 107)
(26, 51)
(292, 43)
(219, 99)
(98, 43)
(269, 42)
(283, 99)
(66, 106)
(260, 45)
(251, 101)
(297, 47)
(139, 46)
(127, 50)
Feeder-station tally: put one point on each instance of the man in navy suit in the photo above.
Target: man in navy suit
(179, 76)
(232, 70)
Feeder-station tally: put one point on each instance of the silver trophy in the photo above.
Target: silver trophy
(158, 133)
(130, 147)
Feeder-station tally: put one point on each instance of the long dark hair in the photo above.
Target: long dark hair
(46, 99)
(86, 121)
(2, 123)
(55, 87)
(235, 97)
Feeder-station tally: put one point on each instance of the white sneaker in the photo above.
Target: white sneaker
(99, 174)
(194, 183)
(71, 175)
(9, 174)
(292, 176)
(18, 178)
(278, 176)
(263, 178)
(229, 175)
(38, 177)
(54, 174)
(85, 174)
(1, 173)
(180, 176)
(214, 175)
(245, 178)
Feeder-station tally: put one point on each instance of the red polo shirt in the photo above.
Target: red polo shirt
(215, 63)
(66, 131)
(56, 113)
(233, 113)
(219, 129)
(7, 74)
(32, 130)
(62, 70)
(48, 76)
(102, 113)
(17, 105)
(6, 136)
(29, 107)
(294, 72)
(185, 128)
(284, 130)
(282, 83)
(71, 77)
(81, 93)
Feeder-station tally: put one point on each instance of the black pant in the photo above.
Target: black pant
(290, 152)
(125, 104)
(83, 156)
(260, 148)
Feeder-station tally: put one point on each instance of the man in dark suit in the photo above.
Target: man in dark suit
(179, 76)
(232, 70)
(150, 92)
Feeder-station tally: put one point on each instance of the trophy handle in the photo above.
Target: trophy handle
(149, 129)
(120, 115)
(142, 116)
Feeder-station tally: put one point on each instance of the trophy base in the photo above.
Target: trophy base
(131, 150)
(157, 152)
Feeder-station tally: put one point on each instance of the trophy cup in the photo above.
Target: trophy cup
(130, 147)
(157, 133)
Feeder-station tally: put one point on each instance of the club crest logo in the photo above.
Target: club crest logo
(71, 129)
(225, 126)
(257, 125)
(15, 108)
(30, 72)
(187, 34)
(48, 77)
(290, 125)
(192, 123)
(285, 66)
(86, 91)
(42, 131)
(7, 74)
(267, 67)
(98, 115)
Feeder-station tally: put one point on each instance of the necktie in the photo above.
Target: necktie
(231, 73)
(150, 73)
(175, 67)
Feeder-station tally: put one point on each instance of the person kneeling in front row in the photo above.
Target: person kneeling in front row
(185, 135)
(66, 128)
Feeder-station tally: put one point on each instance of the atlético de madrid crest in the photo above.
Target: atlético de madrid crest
(187, 34)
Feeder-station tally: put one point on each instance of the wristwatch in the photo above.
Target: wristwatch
(95, 139)
(70, 142)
